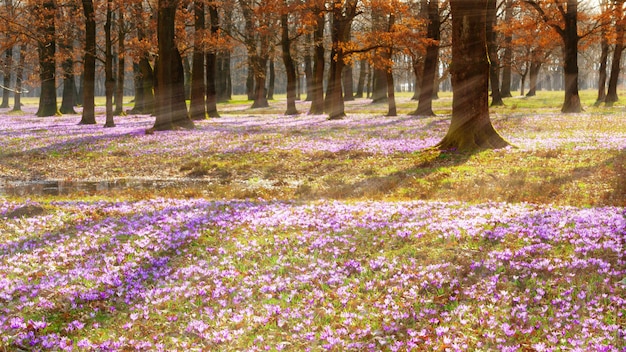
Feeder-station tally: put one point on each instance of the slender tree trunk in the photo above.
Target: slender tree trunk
(317, 91)
(19, 77)
(47, 61)
(604, 55)
(290, 67)
(211, 63)
(418, 69)
(89, 66)
(391, 95)
(470, 127)
(197, 107)
(492, 50)
(308, 68)
(347, 76)
(361, 83)
(8, 68)
(222, 77)
(109, 81)
(121, 65)
(507, 58)
(428, 81)
(611, 94)
(272, 81)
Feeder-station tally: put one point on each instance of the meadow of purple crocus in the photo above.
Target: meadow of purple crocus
(167, 274)
(114, 273)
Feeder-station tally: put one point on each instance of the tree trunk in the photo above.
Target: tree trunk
(68, 101)
(47, 61)
(379, 86)
(89, 66)
(197, 107)
(290, 67)
(347, 76)
(361, 83)
(211, 63)
(170, 73)
(429, 71)
(611, 94)
(492, 49)
(341, 21)
(570, 68)
(139, 97)
(260, 92)
(471, 127)
(418, 69)
(308, 68)
(19, 77)
(109, 81)
(222, 77)
(507, 58)
(604, 55)
(535, 67)
(121, 65)
(317, 91)
(272, 81)
(8, 68)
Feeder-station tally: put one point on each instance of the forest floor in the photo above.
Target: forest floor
(258, 231)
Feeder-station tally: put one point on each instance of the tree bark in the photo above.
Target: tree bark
(7, 69)
(89, 65)
(308, 68)
(197, 107)
(429, 70)
(604, 55)
(507, 58)
(121, 65)
(170, 74)
(19, 77)
(492, 50)
(317, 91)
(611, 94)
(211, 63)
(272, 81)
(290, 67)
(47, 61)
(109, 81)
(470, 128)
(535, 66)
(361, 82)
(68, 100)
(570, 68)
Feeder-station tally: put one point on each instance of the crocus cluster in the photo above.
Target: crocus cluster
(196, 274)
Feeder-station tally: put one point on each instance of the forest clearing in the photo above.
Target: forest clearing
(270, 232)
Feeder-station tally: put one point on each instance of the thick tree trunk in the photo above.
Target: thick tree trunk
(535, 67)
(492, 49)
(342, 15)
(170, 74)
(507, 58)
(260, 78)
(570, 68)
(379, 86)
(471, 127)
(47, 66)
(290, 67)
(211, 66)
(429, 71)
(138, 82)
(89, 65)
(7, 70)
(121, 65)
(222, 77)
(109, 81)
(198, 88)
(611, 94)
(68, 100)
(317, 91)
